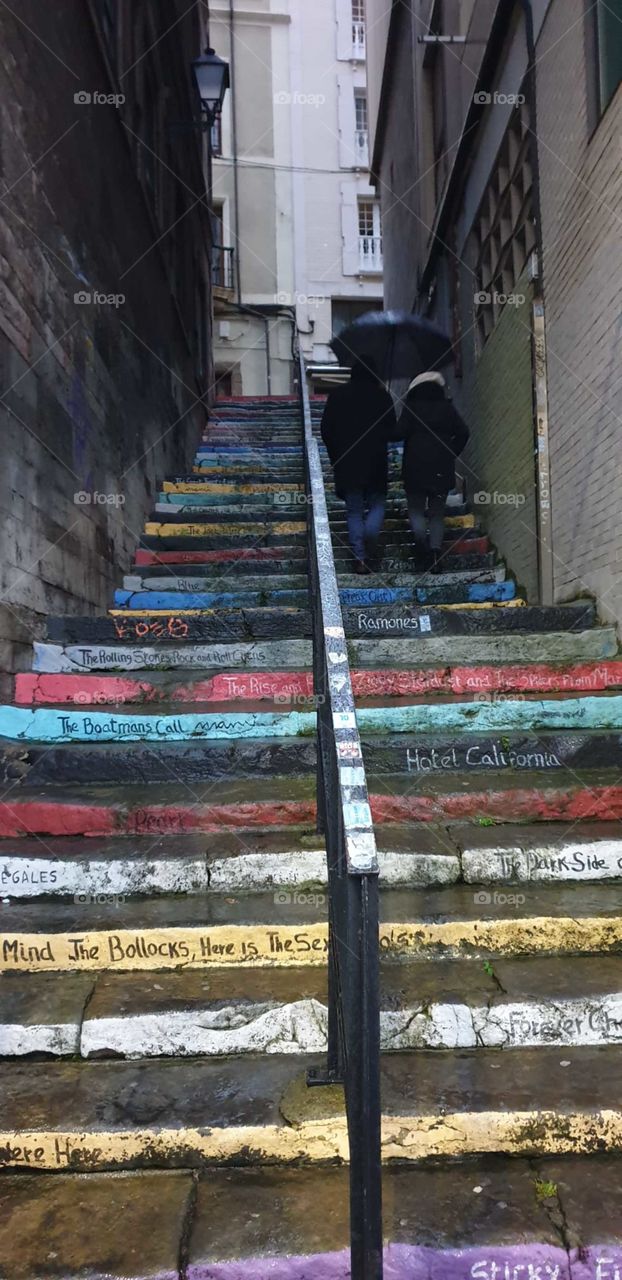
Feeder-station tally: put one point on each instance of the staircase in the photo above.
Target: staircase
(163, 955)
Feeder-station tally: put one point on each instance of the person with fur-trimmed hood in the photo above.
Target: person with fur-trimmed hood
(434, 435)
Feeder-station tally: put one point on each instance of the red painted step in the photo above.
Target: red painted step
(536, 803)
(92, 689)
(144, 557)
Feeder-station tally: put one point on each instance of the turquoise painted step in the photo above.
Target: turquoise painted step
(475, 593)
(248, 451)
(45, 725)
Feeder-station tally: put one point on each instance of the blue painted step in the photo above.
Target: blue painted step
(474, 593)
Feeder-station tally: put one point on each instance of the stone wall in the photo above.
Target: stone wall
(99, 398)
(581, 190)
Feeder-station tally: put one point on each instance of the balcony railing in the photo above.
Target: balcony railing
(222, 267)
(361, 147)
(370, 253)
(358, 40)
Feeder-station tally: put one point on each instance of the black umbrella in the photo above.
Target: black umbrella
(397, 343)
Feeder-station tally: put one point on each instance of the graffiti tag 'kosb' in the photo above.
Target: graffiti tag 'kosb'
(171, 628)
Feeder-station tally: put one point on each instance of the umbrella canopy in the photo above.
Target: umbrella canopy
(398, 343)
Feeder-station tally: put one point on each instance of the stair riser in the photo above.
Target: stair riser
(23, 876)
(282, 946)
(595, 645)
(266, 656)
(480, 683)
(300, 1027)
(156, 764)
(432, 719)
(264, 623)
(559, 862)
(527, 1133)
(496, 593)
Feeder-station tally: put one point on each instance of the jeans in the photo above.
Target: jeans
(435, 517)
(365, 518)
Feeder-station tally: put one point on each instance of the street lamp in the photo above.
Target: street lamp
(211, 76)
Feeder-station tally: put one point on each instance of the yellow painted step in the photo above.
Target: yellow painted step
(154, 530)
(298, 944)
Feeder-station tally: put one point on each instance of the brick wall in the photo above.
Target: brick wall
(581, 190)
(97, 397)
(496, 398)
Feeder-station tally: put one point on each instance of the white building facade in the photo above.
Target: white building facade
(297, 218)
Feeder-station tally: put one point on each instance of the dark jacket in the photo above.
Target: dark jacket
(434, 436)
(358, 421)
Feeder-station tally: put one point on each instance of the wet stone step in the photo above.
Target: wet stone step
(186, 537)
(190, 763)
(281, 688)
(225, 862)
(502, 796)
(225, 625)
(398, 622)
(253, 720)
(151, 598)
(445, 1005)
(156, 652)
(255, 560)
(201, 1111)
(489, 1220)
(156, 763)
(286, 929)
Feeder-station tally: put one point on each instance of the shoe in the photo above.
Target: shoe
(361, 567)
(436, 563)
(424, 559)
(373, 557)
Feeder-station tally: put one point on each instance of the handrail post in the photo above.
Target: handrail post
(344, 816)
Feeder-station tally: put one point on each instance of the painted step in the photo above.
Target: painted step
(280, 498)
(443, 1006)
(475, 621)
(157, 763)
(294, 860)
(203, 577)
(229, 863)
(129, 1115)
(246, 560)
(503, 796)
(284, 929)
(224, 625)
(155, 655)
(482, 683)
(188, 762)
(596, 645)
(131, 810)
(482, 1220)
(282, 688)
(211, 537)
(481, 722)
(478, 593)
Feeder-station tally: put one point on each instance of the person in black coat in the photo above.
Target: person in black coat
(434, 435)
(358, 422)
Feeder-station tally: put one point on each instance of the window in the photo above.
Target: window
(345, 311)
(216, 136)
(607, 38)
(504, 235)
(361, 150)
(358, 28)
(370, 236)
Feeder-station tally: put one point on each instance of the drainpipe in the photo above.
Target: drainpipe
(540, 391)
(234, 140)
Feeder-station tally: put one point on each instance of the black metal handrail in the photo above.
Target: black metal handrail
(344, 817)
